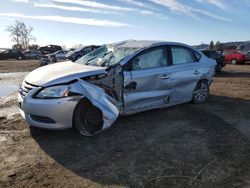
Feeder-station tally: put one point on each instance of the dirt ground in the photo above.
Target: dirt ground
(18, 65)
(206, 145)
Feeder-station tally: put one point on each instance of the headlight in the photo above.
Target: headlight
(53, 92)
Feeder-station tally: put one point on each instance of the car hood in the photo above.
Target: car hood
(61, 73)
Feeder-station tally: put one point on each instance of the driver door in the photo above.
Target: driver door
(146, 82)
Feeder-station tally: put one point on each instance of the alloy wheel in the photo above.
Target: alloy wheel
(201, 92)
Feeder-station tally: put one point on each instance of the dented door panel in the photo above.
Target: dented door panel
(152, 88)
(184, 79)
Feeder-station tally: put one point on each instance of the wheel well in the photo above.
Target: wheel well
(87, 118)
(206, 80)
(83, 100)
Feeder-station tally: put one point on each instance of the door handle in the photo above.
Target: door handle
(196, 72)
(165, 77)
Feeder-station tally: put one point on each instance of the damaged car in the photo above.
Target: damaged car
(116, 79)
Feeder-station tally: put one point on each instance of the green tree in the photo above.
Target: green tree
(211, 45)
(219, 46)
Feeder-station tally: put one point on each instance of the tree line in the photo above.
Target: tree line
(220, 46)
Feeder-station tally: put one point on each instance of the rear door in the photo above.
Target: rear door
(146, 82)
(186, 71)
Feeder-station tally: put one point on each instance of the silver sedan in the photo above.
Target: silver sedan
(116, 79)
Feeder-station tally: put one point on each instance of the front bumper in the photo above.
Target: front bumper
(48, 113)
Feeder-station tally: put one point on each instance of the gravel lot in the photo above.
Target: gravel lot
(18, 65)
(189, 145)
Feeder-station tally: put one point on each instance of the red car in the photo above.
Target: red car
(236, 57)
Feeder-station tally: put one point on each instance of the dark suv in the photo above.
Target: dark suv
(49, 49)
(76, 54)
(12, 54)
(216, 55)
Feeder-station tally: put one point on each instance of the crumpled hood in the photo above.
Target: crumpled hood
(61, 72)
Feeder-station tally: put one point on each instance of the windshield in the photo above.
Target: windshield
(106, 55)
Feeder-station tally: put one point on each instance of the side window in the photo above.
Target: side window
(87, 50)
(181, 55)
(150, 59)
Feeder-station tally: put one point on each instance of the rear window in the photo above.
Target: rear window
(181, 55)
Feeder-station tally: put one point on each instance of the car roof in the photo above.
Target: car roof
(143, 43)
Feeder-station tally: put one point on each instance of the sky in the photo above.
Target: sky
(72, 22)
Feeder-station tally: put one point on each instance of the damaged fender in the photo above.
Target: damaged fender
(98, 97)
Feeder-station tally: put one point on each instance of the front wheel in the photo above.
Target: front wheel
(87, 118)
(201, 92)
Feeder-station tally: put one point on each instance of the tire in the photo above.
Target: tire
(37, 57)
(233, 61)
(87, 118)
(19, 57)
(219, 67)
(201, 92)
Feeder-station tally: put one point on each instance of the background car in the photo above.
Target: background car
(12, 54)
(46, 60)
(216, 55)
(59, 55)
(78, 53)
(32, 54)
(236, 57)
(49, 49)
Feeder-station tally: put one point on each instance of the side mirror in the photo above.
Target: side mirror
(131, 86)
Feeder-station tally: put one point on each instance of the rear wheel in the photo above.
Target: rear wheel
(87, 118)
(19, 57)
(201, 92)
(234, 61)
